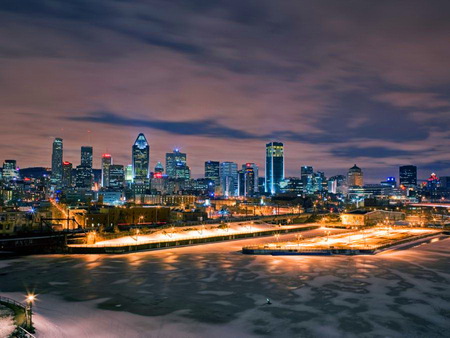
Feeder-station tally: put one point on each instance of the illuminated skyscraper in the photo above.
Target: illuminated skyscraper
(116, 176)
(307, 177)
(67, 174)
(212, 172)
(141, 157)
(355, 177)
(274, 166)
(175, 161)
(86, 156)
(229, 178)
(255, 168)
(106, 164)
(129, 173)
(57, 161)
(408, 176)
(246, 181)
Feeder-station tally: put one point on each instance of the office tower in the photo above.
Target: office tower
(246, 181)
(229, 178)
(141, 158)
(274, 166)
(307, 177)
(86, 156)
(292, 185)
(57, 161)
(408, 176)
(337, 184)
(355, 177)
(129, 173)
(159, 168)
(255, 168)
(84, 177)
(116, 176)
(175, 161)
(212, 172)
(10, 170)
(182, 171)
(106, 164)
(67, 174)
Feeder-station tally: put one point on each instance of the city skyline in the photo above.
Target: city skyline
(375, 179)
(335, 92)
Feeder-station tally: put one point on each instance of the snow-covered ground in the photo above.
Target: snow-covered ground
(6, 321)
(214, 291)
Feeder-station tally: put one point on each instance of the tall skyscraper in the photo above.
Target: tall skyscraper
(212, 172)
(129, 173)
(175, 163)
(307, 177)
(255, 168)
(274, 166)
(86, 156)
(141, 157)
(246, 181)
(355, 177)
(229, 178)
(106, 164)
(116, 176)
(408, 176)
(57, 161)
(67, 174)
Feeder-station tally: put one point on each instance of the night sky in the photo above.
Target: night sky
(340, 82)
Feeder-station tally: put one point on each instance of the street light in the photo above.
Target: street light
(29, 309)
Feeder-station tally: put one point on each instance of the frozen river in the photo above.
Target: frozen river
(215, 291)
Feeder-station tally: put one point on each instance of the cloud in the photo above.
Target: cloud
(203, 127)
(334, 81)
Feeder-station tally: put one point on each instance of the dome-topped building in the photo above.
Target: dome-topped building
(355, 177)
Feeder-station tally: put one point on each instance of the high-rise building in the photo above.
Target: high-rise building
(292, 185)
(175, 161)
(159, 168)
(141, 157)
(307, 177)
(129, 173)
(84, 177)
(255, 168)
(116, 176)
(106, 164)
(355, 177)
(337, 184)
(229, 178)
(10, 171)
(57, 161)
(212, 172)
(86, 156)
(408, 176)
(246, 181)
(274, 166)
(67, 174)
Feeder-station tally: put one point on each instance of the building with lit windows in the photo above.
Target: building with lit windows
(212, 171)
(141, 158)
(355, 177)
(106, 164)
(408, 176)
(274, 167)
(57, 161)
(229, 178)
(67, 174)
(116, 177)
(175, 163)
